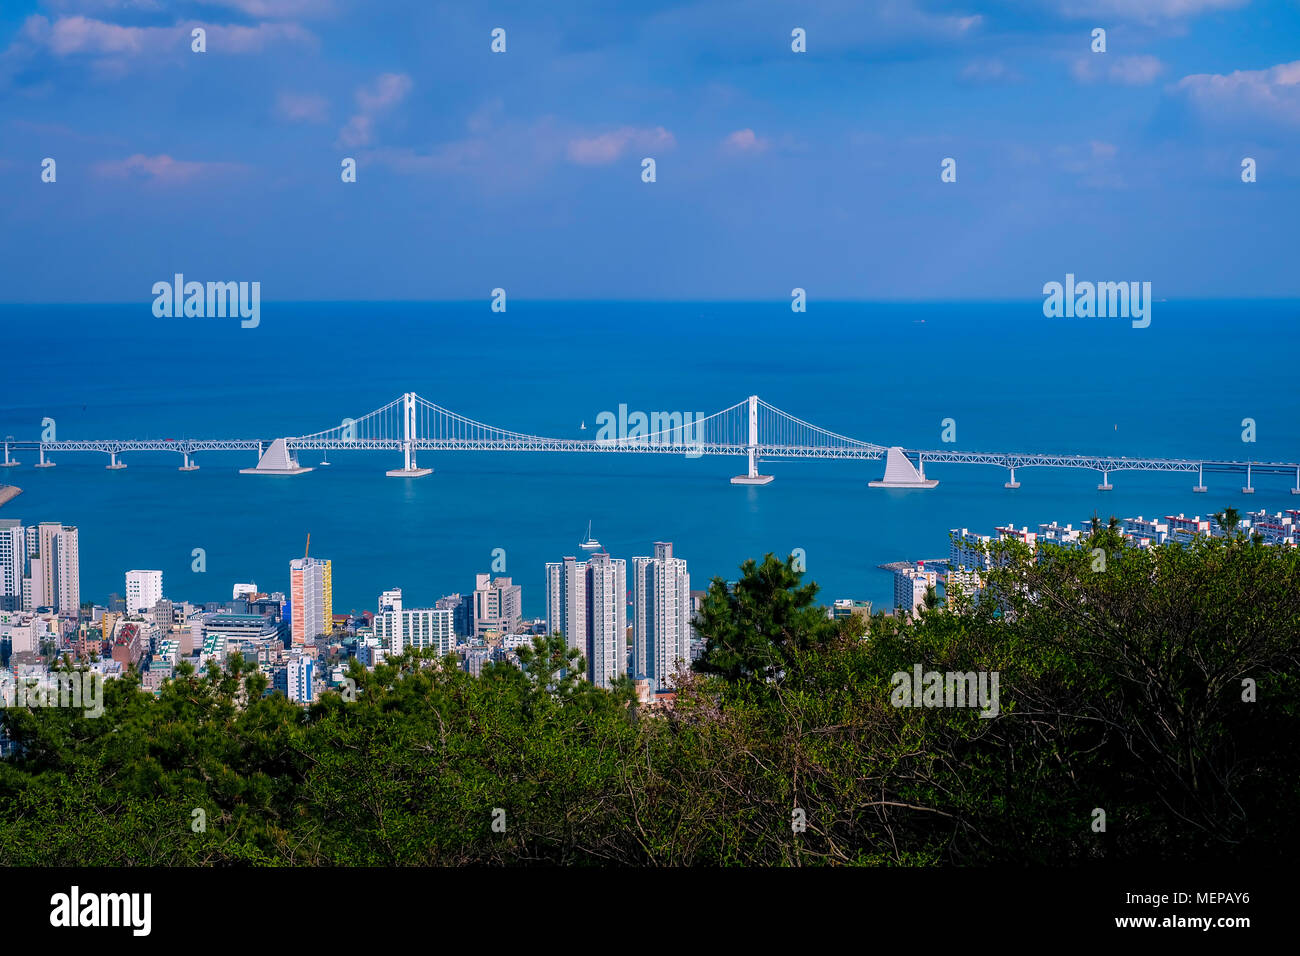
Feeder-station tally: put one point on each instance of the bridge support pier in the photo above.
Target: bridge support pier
(113, 463)
(189, 464)
(899, 472)
(43, 463)
(11, 463)
(276, 460)
(751, 476)
(1248, 490)
(1296, 489)
(409, 468)
(1105, 482)
(1200, 488)
(1012, 483)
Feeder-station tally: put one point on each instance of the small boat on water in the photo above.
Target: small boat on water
(589, 543)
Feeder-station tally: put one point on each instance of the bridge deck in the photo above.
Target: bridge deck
(751, 428)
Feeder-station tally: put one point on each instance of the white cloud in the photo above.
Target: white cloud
(607, 147)
(991, 70)
(745, 141)
(1146, 11)
(276, 9)
(161, 169)
(374, 100)
(302, 107)
(79, 36)
(1273, 93)
(1137, 70)
(73, 35)
(1093, 164)
(258, 9)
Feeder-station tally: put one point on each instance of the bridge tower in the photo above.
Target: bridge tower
(752, 477)
(409, 438)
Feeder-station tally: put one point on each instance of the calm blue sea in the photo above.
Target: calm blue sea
(890, 373)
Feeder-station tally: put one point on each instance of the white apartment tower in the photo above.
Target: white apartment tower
(586, 603)
(143, 590)
(53, 568)
(607, 620)
(661, 616)
(910, 585)
(398, 628)
(13, 564)
(566, 601)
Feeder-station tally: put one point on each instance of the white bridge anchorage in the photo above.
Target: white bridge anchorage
(752, 429)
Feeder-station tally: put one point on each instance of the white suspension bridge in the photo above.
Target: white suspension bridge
(752, 429)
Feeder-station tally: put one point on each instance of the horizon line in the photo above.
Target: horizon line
(1037, 300)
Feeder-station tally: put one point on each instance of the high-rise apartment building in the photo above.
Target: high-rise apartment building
(40, 567)
(143, 590)
(586, 603)
(311, 590)
(661, 616)
(13, 564)
(398, 627)
(498, 605)
(910, 585)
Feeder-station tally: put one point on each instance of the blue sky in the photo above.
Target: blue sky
(522, 170)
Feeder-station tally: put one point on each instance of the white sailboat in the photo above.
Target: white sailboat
(589, 543)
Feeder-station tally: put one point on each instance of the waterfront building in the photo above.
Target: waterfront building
(1066, 536)
(964, 583)
(1183, 529)
(847, 607)
(910, 585)
(969, 549)
(143, 590)
(1011, 533)
(1157, 532)
(1276, 529)
(661, 616)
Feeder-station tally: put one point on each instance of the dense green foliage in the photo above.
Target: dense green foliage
(1121, 689)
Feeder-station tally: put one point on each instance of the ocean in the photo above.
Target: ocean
(1011, 379)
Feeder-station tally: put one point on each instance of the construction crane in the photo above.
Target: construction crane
(307, 550)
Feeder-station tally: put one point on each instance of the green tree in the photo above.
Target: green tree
(752, 629)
